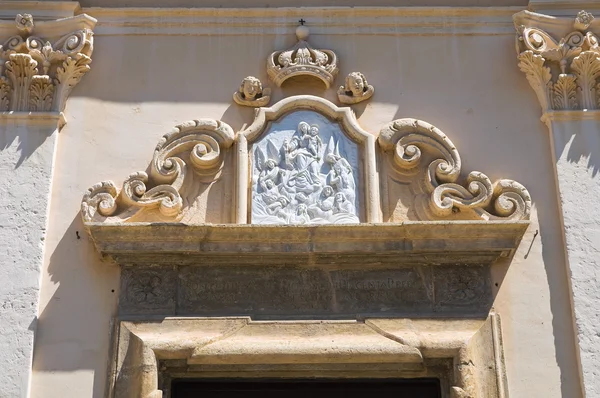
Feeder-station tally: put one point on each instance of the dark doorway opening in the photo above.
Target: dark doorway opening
(294, 388)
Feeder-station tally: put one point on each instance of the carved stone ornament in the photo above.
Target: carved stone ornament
(307, 160)
(251, 93)
(355, 90)
(191, 154)
(423, 156)
(38, 74)
(562, 71)
(302, 60)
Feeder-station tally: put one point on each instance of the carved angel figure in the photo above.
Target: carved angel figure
(290, 182)
(251, 93)
(356, 89)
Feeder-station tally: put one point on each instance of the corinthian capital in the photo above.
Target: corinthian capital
(561, 59)
(41, 62)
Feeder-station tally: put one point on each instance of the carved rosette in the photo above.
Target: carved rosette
(563, 71)
(414, 145)
(193, 147)
(37, 75)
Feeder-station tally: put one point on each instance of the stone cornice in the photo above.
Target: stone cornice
(43, 10)
(322, 20)
(51, 119)
(561, 59)
(423, 242)
(41, 62)
(562, 116)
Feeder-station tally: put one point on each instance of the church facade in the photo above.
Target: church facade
(299, 198)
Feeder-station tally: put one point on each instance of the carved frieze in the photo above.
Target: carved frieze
(563, 70)
(37, 73)
(262, 291)
(302, 60)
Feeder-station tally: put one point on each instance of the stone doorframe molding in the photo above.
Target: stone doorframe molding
(561, 60)
(465, 354)
(347, 120)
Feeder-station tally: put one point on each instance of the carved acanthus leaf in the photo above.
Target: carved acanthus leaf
(538, 76)
(4, 94)
(41, 94)
(201, 141)
(46, 56)
(20, 70)
(565, 92)
(68, 75)
(587, 69)
(407, 141)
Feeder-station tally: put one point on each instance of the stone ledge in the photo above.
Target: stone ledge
(423, 242)
(323, 20)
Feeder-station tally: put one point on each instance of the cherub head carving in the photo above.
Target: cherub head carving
(251, 88)
(356, 84)
(356, 89)
(251, 93)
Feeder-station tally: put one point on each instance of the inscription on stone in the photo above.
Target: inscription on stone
(287, 291)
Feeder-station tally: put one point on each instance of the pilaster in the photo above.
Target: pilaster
(561, 60)
(40, 63)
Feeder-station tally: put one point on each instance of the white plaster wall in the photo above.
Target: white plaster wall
(577, 151)
(26, 159)
(141, 86)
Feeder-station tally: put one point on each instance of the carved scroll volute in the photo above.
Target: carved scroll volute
(423, 155)
(194, 147)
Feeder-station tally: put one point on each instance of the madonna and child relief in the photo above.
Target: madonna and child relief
(304, 171)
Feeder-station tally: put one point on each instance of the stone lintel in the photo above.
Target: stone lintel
(469, 352)
(426, 242)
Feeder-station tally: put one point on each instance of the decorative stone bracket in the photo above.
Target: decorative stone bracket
(41, 62)
(561, 59)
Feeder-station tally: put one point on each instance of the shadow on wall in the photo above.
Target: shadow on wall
(27, 139)
(71, 336)
(583, 146)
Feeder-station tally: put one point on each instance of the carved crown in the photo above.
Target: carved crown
(302, 60)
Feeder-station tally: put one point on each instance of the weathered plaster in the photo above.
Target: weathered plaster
(576, 147)
(26, 166)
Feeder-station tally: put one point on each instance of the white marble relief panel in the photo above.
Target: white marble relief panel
(304, 171)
